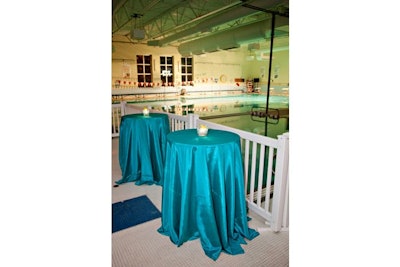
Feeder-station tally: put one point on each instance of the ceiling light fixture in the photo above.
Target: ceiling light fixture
(137, 30)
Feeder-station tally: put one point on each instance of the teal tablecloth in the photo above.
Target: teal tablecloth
(203, 192)
(142, 141)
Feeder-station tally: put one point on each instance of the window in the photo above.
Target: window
(187, 70)
(144, 71)
(167, 71)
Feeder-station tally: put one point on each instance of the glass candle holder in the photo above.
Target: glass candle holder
(145, 112)
(202, 130)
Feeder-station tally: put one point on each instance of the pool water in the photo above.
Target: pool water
(243, 122)
(226, 110)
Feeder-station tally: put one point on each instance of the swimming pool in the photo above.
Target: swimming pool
(233, 111)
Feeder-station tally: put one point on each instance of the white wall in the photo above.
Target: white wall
(125, 54)
(212, 69)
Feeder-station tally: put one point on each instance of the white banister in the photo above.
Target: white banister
(281, 177)
(261, 175)
(117, 111)
(123, 108)
(285, 219)
(253, 170)
(193, 119)
(268, 188)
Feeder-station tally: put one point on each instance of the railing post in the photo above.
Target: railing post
(123, 106)
(117, 111)
(281, 177)
(193, 118)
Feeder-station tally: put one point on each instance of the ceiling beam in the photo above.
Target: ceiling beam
(227, 14)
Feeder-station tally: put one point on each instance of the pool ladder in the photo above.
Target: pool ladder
(259, 112)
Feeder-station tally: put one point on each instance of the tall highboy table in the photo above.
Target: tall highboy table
(203, 192)
(142, 144)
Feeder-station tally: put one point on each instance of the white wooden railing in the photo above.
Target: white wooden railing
(117, 111)
(266, 164)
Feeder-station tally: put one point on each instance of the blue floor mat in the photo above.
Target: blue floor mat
(132, 212)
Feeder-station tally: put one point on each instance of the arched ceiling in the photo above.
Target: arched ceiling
(175, 22)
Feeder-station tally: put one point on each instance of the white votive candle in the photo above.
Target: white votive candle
(202, 130)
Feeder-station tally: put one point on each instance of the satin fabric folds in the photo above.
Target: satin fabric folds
(203, 192)
(142, 144)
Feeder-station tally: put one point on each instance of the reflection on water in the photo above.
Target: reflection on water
(233, 111)
(244, 122)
